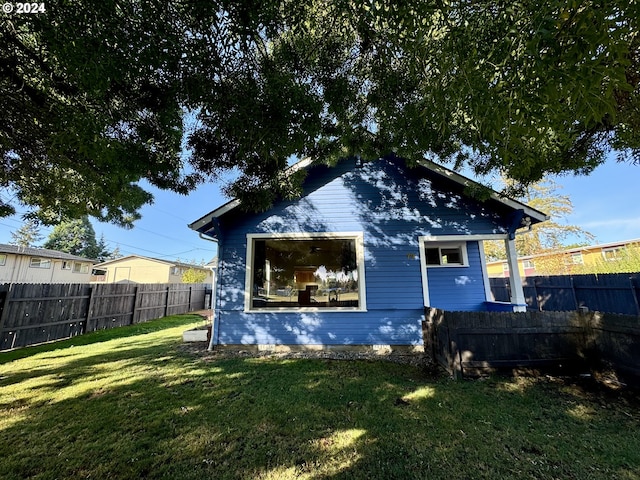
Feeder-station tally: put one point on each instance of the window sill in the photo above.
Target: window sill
(304, 310)
(447, 266)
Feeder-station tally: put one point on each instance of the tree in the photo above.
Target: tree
(27, 235)
(544, 237)
(192, 275)
(77, 237)
(526, 88)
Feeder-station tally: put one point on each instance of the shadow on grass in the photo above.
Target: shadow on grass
(101, 336)
(148, 409)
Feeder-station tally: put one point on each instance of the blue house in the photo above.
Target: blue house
(355, 260)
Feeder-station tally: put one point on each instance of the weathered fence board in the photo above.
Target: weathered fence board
(468, 343)
(112, 306)
(38, 313)
(611, 293)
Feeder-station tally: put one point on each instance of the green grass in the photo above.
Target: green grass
(133, 403)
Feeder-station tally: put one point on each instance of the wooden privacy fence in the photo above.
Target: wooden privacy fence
(468, 343)
(37, 313)
(612, 293)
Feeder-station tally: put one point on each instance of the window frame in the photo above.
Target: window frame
(80, 267)
(430, 239)
(40, 260)
(574, 258)
(3, 259)
(358, 238)
(66, 265)
(611, 250)
(462, 246)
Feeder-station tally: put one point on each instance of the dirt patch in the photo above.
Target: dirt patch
(200, 349)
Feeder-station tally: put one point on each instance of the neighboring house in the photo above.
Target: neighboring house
(356, 259)
(138, 269)
(41, 265)
(565, 262)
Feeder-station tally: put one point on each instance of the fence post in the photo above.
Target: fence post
(190, 290)
(135, 305)
(455, 358)
(573, 291)
(5, 311)
(166, 301)
(92, 289)
(634, 294)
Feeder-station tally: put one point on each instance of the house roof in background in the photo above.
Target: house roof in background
(41, 252)
(584, 248)
(157, 260)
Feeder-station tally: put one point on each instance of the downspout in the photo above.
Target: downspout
(214, 289)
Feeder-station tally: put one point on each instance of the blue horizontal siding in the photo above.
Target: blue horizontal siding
(458, 288)
(392, 207)
(386, 327)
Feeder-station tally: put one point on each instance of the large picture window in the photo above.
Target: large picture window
(323, 271)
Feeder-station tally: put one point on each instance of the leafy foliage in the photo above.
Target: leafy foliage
(548, 236)
(94, 95)
(192, 275)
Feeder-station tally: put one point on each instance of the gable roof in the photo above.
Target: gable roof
(151, 259)
(205, 222)
(41, 252)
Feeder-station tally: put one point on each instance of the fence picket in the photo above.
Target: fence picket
(468, 343)
(36, 313)
(612, 293)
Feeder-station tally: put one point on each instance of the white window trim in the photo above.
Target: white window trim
(41, 260)
(614, 250)
(80, 267)
(66, 265)
(440, 245)
(3, 259)
(359, 241)
(455, 239)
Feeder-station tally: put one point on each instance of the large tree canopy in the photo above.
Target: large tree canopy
(94, 94)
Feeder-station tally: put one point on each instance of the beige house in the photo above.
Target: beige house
(138, 269)
(573, 261)
(40, 265)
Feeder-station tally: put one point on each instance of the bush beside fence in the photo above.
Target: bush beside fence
(37, 313)
(469, 343)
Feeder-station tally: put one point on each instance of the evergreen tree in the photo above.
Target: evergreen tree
(77, 237)
(27, 235)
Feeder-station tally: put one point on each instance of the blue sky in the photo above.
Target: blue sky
(605, 204)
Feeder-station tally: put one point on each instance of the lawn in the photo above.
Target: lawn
(134, 403)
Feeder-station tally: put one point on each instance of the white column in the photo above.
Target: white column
(515, 282)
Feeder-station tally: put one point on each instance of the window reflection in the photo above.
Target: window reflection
(305, 273)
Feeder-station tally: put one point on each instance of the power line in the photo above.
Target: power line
(136, 248)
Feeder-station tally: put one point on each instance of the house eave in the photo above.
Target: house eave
(206, 223)
(534, 214)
